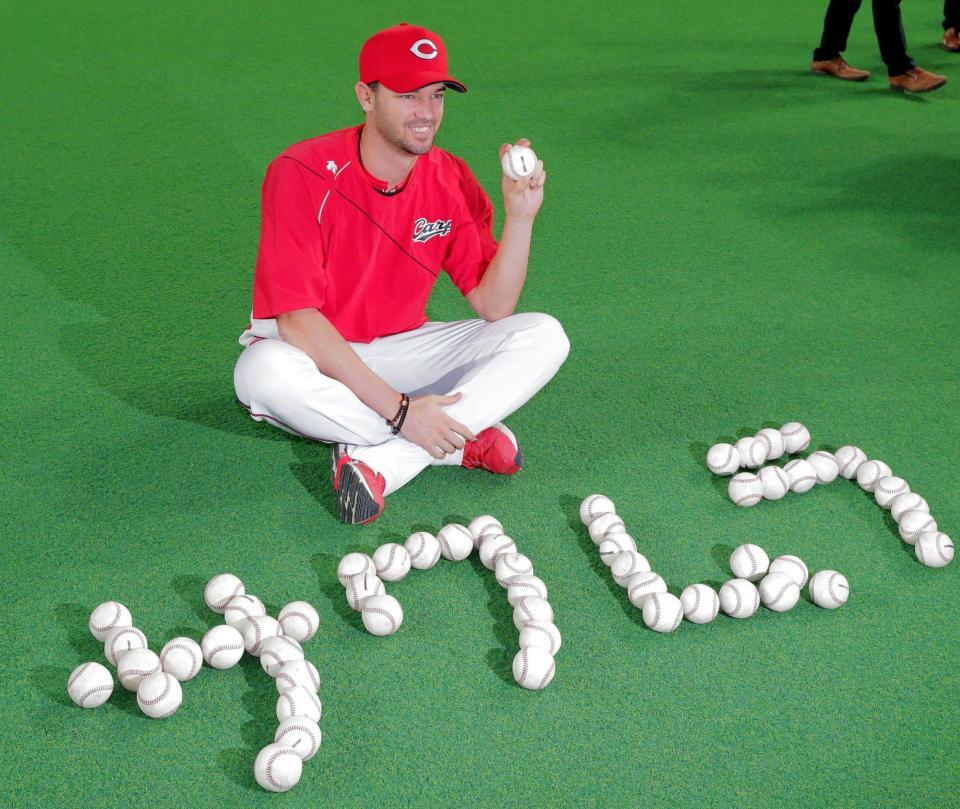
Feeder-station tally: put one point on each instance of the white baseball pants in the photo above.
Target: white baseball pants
(498, 366)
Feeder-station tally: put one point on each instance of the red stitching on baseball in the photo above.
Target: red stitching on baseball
(95, 690)
(303, 616)
(314, 742)
(163, 695)
(393, 623)
(78, 673)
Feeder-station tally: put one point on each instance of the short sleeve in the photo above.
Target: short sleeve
(290, 271)
(473, 246)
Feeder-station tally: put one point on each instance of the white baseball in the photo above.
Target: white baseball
(382, 615)
(220, 589)
(242, 607)
(523, 586)
(122, 640)
(774, 481)
(301, 734)
(915, 522)
(595, 505)
(135, 666)
(277, 650)
(739, 598)
(510, 565)
(869, 472)
(829, 589)
(533, 668)
(424, 550)
(745, 489)
(518, 162)
(662, 612)
(108, 616)
(456, 542)
(493, 547)
(256, 630)
(159, 695)
(934, 549)
(222, 647)
(796, 437)
(531, 608)
(642, 585)
(849, 458)
(909, 501)
(779, 592)
(392, 561)
(541, 634)
(483, 526)
(360, 588)
(801, 474)
(723, 459)
(277, 768)
(825, 465)
(751, 451)
(604, 524)
(355, 564)
(773, 439)
(793, 566)
(626, 565)
(182, 657)
(90, 685)
(886, 489)
(749, 561)
(296, 673)
(615, 544)
(299, 701)
(700, 603)
(299, 620)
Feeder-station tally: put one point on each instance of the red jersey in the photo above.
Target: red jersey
(333, 240)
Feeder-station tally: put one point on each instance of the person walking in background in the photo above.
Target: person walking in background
(951, 25)
(903, 71)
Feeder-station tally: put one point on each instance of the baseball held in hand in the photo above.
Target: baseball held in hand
(518, 162)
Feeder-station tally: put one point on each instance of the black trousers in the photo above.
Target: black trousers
(886, 22)
(951, 14)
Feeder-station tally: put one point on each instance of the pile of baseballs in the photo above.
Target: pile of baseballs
(154, 678)
(932, 547)
(276, 642)
(911, 512)
(776, 584)
(646, 589)
(363, 577)
(247, 627)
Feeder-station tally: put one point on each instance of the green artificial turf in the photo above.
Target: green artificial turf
(730, 243)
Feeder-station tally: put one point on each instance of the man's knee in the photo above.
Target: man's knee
(265, 374)
(550, 338)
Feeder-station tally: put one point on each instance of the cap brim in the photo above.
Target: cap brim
(411, 82)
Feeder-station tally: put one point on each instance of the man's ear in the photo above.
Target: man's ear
(365, 96)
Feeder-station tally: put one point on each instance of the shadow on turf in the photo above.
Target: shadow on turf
(51, 681)
(500, 659)
(74, 620)
(260, 702)
(312, 470)
(570, 506)
(190, 589)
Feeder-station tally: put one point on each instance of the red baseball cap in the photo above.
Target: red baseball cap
(405, 58)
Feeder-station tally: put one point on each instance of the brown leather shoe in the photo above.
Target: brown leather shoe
(917, 81)
(951, 40)
(839, 70)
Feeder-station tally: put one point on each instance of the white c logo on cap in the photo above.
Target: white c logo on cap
(417, 49)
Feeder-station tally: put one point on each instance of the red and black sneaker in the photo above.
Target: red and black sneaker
(359, 490)
(496, 450)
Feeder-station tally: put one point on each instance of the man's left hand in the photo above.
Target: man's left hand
(522, 198)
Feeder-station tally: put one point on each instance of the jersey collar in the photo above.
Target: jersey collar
(378, 184)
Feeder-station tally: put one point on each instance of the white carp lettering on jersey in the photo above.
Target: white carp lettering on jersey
(423, 230)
